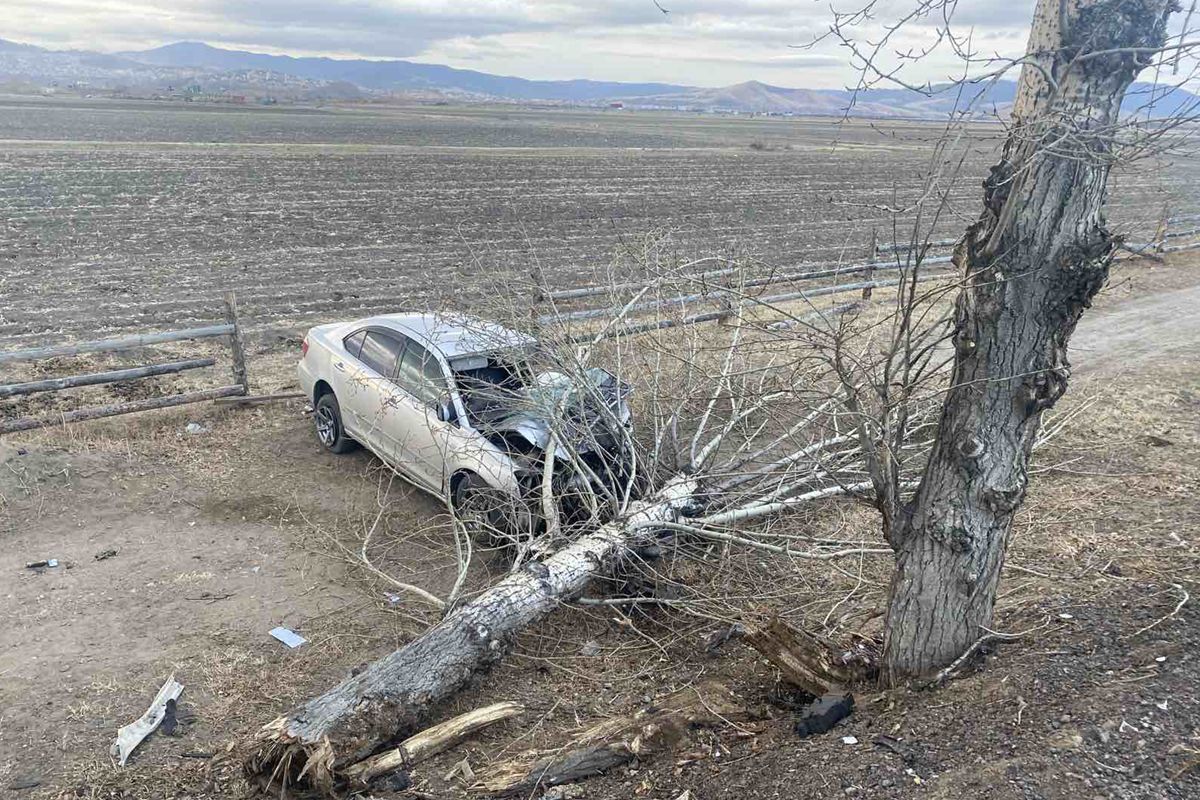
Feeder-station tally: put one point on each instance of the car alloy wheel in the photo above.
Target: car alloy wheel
(327, 426)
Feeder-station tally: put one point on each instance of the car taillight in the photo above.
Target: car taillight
(304, 347)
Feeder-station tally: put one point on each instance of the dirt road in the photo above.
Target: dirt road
(1140, 331)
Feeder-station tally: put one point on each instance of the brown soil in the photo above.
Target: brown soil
(220, 536)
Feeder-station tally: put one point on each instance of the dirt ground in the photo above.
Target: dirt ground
(177, 552)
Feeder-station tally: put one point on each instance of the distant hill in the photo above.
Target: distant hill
(198, 69)
(395, 75)
(992, 98)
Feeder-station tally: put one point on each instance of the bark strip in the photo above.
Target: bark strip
(431, 741)
(648, 731)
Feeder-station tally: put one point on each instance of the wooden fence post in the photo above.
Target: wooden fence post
(866, 292)
(1160, 235)
(237, 344)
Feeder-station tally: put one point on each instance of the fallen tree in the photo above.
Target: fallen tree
(315, 743)
(322, 743)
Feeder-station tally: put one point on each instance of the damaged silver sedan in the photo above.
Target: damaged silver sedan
(462, 408)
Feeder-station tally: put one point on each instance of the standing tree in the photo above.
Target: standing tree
(1031, 265)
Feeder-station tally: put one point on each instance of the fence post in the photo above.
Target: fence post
(866, 292)
(237, 344)
(1160, 235)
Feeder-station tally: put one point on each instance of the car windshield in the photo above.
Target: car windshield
(497, 385)
(491, 383)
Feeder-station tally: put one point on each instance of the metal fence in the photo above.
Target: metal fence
(726, 288)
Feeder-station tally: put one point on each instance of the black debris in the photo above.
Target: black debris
(170, 721)
(823, 713)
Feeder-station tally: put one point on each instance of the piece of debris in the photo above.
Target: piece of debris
(49, 563)
(106, 553)
(653, 729)
(24, 782)
(431, 741)
(849, 740)
(131, 735)
(809, 662)
(1158, 441)
(463, 769)
(1065, 739)
(1065, 615)
(907, 755)
(397, 781)
(288, 637)
(211, 597)
(824, 712)
(722, 635)
(194, 429)
(590, 648)
(170, 720)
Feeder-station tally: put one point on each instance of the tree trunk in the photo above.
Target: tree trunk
(315, 743)
(1031, 265)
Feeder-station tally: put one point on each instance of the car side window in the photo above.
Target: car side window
(353, 343)
(421, 375)
(380, 352)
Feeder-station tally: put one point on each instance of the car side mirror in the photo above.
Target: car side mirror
(445, 410)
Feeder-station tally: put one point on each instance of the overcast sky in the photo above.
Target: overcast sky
(700, 42)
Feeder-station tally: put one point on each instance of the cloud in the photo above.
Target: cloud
(704, 42)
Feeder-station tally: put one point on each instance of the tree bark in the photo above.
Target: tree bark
(805, 661)
(1031, 265)
(315, 744)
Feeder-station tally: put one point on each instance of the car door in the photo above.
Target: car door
(423, 380)
(367, 388)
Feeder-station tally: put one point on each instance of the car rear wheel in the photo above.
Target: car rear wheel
(328, 419)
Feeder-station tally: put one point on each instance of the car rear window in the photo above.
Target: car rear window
(379, 352)
(353, 342)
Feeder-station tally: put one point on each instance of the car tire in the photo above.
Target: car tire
(481, 509)
(330, 432)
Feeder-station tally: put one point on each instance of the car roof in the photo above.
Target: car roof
(452, 335)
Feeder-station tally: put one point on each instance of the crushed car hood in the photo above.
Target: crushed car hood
(590, 411)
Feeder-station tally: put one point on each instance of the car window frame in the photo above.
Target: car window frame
(386, 332)
(436, 355)
(350, 336)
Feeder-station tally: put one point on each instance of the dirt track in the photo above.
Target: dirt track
(1140, 331)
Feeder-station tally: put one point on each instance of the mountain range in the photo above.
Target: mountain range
(192, 69)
